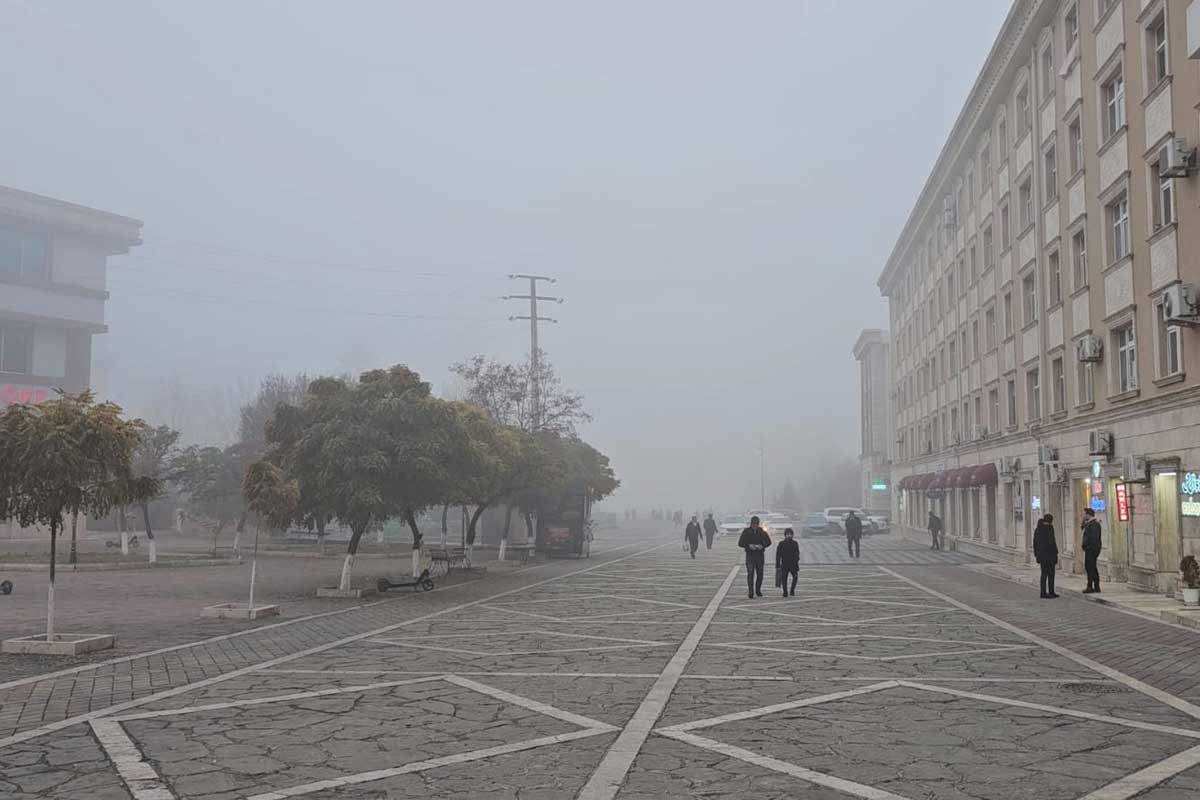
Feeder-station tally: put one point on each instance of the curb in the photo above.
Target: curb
(21, 566)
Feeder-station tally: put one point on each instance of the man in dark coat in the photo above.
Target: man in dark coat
(1045, 550)
(710, 530)
(787, 560)
(1091, 550)
(692, 535)
(853, 534)
(754, 541)
(935, 530)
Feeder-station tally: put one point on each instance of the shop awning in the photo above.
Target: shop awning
(985, 475)
(921, 481)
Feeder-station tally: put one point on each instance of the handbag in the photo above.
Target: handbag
(778, 577)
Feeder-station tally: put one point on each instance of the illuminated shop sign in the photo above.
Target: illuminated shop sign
(1122, 502)
(1189, 487)
(1098, 504)
(27, 395)
(879, 486)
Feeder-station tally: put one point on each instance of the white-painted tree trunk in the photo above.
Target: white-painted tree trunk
(379, 537)
(179, 521)
(124, 542)
(237, 540)
(416, 563)
(470, 553)
(153, 551)
(347, 566)
(253, 571)
(50, 612)
(503, 548)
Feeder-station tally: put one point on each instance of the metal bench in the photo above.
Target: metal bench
(518, 552)
(449, 557)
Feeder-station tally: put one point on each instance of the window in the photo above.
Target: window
(1055, 278)
(985, 164)
(1156, 51)
(989, 325)
(972, 265)
(22, 255)
(16, 349)
(1059, 387)
(1029, 298)
(953, 426)
(1005, 228)
(1169, 344)
(1071, 25)
(1162, 194)
(989, 255)
(1079, 258)
(1047, 70)
(978, 411)
(1105, 5)
(1023, 112)
(952, 360)
(1075, 145)
(1002, 139)
(1033, 396)
(970, 187)
(1025, 196)
(963, 280)
(1050, 170)
(1012, 403)
(1008, 314)
(1125, 346)
(975, 337)
(994, 410)
(966, 417)
(1084, 377)
(1113, 93)
(966, 347)
(950, 287)
(1117, 213)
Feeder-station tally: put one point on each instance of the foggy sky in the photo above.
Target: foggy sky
(716, 186)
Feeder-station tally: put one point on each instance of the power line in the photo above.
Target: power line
(535, 389)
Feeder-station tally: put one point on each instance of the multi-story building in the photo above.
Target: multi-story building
(53, 259)
(871, 352)
(1038, 364)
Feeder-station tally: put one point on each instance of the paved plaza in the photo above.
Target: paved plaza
(639, 674)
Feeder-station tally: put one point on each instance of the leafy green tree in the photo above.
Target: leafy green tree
(156, 457)
(67, 455)
(495, 462)
(212, 479)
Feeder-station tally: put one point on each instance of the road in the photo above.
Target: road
(640, 674)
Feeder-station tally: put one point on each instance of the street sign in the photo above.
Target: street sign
(1123, 502)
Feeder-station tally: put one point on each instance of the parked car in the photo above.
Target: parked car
(733, 524)
(813, 524)
(836, 516)
(879, 523)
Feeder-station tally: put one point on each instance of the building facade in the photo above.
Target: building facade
(53, 263)
(1038, 364)
(871, 352)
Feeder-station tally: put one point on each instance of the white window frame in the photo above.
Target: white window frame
(1162, 193)
(1116, 221)
(1158, 61)
(1054, 278)
(1025, 202)
(1010, 389)
(1124, 360)
(1085, 388)
(1058, 377)
(1168, 345)
(8, 329)
(1075, 144)
(1033, 395)
(1029, 302)
(1079, 258)
(1112, 103)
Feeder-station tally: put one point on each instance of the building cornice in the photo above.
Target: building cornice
(119, 233)
(1016, 30)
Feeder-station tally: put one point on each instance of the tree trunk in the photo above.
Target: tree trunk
(445, 516)
(74, 525)
(50, 586)
(321, 533)
(411, 519)
(217, 535)
(123, 526)
(479, 509)
(356, 534)
(237, 532)
(508, 512)
(149, 533)
(530, 536)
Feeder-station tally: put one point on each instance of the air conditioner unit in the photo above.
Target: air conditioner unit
(1100, 442)
(1135, 469)
(1177, 159)
(1047, 454)
(1180, 304)
(1053, 473)
(1089, 348)
(978, 433)
(1009, 464)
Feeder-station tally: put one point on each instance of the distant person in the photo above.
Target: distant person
(854, 535)
(692, 535)
(935, 530)
(1045, 550)
(1091, 550)
(710, 530)
(787, 561)
(678, 518)
(754, 541)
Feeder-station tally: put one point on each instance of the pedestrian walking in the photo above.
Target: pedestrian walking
(1092, 545)
(678, 518)
(710, 530)
(754, 541)
(787, 561)
(853, 534)
(935, 530)
(692, 536)
(1045, 550)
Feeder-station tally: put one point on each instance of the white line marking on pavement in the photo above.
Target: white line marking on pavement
(511, 674)
(532, 705)
(884, 659)
(610, 774)
(99, 713)
(140, 778)
(849, 787)
(1165, 698)
(762, 711)
(1140, 781)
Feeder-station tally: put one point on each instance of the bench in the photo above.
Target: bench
(448, 558)
(518, 552)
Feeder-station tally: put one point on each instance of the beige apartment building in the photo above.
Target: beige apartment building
(875, 424)
(1045, 356)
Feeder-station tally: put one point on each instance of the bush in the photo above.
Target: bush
(1191, 572)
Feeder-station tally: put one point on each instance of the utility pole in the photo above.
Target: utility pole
(762, 474)
(535, 389)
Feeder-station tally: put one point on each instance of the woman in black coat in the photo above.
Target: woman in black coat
(1045, 550)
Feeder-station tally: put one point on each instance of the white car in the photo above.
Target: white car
(776, 524)
(732, 524)
(836, 515)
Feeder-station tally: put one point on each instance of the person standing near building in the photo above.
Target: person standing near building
(935, 530)
(1045, 550)
(692, 536)
(710, 530)
(787, 560)
(1092, 545)
(754, 541)
(853, 534)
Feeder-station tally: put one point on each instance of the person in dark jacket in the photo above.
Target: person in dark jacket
(853, 534)
(787, 560)
(1091, 550)
(1045, 550)
(692, 535)
(754, 541)
(710, 530)
(935, 530)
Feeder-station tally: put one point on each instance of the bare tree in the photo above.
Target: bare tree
(503, 392)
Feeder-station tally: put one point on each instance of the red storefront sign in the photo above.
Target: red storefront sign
(1123, 502)
(26, 395)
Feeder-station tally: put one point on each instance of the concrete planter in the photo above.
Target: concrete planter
(63, 644)
(239, 611)
(1191, 597)
(353, 593)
